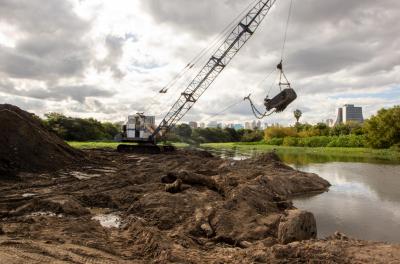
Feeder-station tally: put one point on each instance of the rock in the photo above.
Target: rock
(174, 187)
(207, 229)
(298, 225)
(340, 236)
(245, 244)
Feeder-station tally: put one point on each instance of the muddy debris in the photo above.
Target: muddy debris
(181, 207)
(26, 145)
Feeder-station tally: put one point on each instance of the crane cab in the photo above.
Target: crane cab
(138, 128)
(141, 129)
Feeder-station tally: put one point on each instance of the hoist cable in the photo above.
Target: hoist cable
(223, 111)
(216, 41)
(256, 112)
(286, 29)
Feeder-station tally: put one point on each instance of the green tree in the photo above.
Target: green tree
(252, 136)
(279, 132)
(341, 130)
(383, 130)
(184, 131)
(79, 129)
(297, 114)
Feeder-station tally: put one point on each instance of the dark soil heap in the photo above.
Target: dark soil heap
(27, 146)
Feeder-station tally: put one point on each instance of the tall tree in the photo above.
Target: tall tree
(383, 129)
(297, 114)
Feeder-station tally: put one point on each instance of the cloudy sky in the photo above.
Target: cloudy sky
(109, 58)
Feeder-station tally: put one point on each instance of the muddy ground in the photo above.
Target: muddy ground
(182, 207)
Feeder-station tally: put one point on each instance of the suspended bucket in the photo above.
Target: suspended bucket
(281, 101)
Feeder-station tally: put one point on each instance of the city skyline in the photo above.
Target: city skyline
(353, 113)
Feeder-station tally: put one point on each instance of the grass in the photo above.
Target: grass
(363, 153)
(105, 145)
(323, 154)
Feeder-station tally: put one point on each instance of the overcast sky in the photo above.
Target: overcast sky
(109, 58)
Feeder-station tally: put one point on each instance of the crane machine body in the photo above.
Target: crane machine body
(141, 129)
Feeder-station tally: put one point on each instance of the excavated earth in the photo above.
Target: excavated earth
(181, 207)
(26, 145)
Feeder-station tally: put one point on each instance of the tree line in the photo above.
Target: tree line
(380, 131)
(80, 129)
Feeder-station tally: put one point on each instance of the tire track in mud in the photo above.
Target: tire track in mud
(33, 252)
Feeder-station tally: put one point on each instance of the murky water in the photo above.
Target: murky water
(363, 202)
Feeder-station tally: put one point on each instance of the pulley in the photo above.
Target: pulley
(287, 95)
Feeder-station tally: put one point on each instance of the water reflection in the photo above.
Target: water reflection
(295, 158)
(363, 202)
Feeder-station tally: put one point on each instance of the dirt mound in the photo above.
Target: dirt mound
(26, 145)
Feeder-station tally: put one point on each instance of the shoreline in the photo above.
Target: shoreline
(363, 154)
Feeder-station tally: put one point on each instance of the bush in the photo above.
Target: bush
(290, 141)
(279, 132)
(314, 142)
(350, 141)
(252, 136)
(274, 142)
(396, 147)
(383, 130)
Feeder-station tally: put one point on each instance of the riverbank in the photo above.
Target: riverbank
(336, 153)
(104, 145)
(325, 154)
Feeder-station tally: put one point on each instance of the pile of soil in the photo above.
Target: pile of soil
(27, 146)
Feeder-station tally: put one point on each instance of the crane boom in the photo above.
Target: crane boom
(216, 64)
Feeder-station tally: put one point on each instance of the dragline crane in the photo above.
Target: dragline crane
(141, 129)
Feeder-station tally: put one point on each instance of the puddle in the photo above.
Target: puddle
(108, 220)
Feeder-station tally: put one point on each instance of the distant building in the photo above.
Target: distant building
(349, 113)
(254, 125)
(266, 125)
(238, 126)
(330, 122)
(213, 124)
(258, 124)
(193, 124)
(339, 118)
(202, 125)
(247, 125)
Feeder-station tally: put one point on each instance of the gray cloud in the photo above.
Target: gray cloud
(78, 93)
(324, 36)
(53, 44)
(334, 48)
(114, 47)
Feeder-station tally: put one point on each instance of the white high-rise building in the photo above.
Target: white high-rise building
(349, 113)
(213, 124)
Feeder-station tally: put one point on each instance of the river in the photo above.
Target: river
(363, 202)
